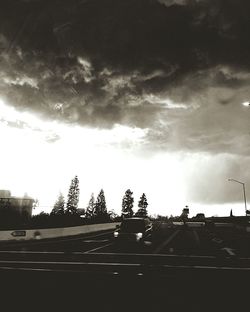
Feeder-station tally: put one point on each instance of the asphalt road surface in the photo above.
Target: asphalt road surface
(191, 268)
(166, 239)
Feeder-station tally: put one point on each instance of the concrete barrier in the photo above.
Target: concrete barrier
(195, 224)
(178, 223)
(21, 235)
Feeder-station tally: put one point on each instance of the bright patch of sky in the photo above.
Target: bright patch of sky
(31, 162)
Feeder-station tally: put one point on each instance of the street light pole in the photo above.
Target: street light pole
(244, 192)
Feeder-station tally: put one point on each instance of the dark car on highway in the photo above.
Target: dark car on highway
(133, 230)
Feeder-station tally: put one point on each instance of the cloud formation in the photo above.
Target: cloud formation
(179, 68)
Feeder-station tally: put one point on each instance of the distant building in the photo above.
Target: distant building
(22, 205)
(185, 212)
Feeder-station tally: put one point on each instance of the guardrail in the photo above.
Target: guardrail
(192, 224)
(21, 235)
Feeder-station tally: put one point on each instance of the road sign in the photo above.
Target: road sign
(18, 233)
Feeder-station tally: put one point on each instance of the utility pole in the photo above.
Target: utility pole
(244, 192)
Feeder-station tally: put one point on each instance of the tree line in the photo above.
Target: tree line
(66, 212)
(96, 209)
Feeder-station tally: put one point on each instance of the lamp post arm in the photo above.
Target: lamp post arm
(244, 191)
(236, 181)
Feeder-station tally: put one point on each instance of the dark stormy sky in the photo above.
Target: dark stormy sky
(140, 94)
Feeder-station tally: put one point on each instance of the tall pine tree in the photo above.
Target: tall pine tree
(58, 208)
(100, 205)
(127, 204)
(90, 210)
(142, 204)
(73, 197)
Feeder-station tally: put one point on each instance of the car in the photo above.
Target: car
(134, 230)
(199, 217)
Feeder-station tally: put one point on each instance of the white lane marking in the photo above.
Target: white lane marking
(206, 267)
(45, 270)
(166, 242)
(95, 241)
(117, 264)
(31, 252)
(40, 262)
(229, 251)
(28, 269)
(71, 263)
(107, 253)
(113, 254)
(98, 248)
(67, 270)
(163, 255)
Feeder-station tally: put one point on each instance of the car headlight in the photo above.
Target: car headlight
(116, 234)
(138, 236)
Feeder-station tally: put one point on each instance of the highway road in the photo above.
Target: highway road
(166, 239)
(198, 245)
(176, 265)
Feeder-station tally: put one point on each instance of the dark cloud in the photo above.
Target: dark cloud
(97, 63)
(214, 120)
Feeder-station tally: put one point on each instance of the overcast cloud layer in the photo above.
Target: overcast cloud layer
(178, 69)
(98, 63)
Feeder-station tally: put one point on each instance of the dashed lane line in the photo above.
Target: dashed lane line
(98, 248)
(166, 242)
